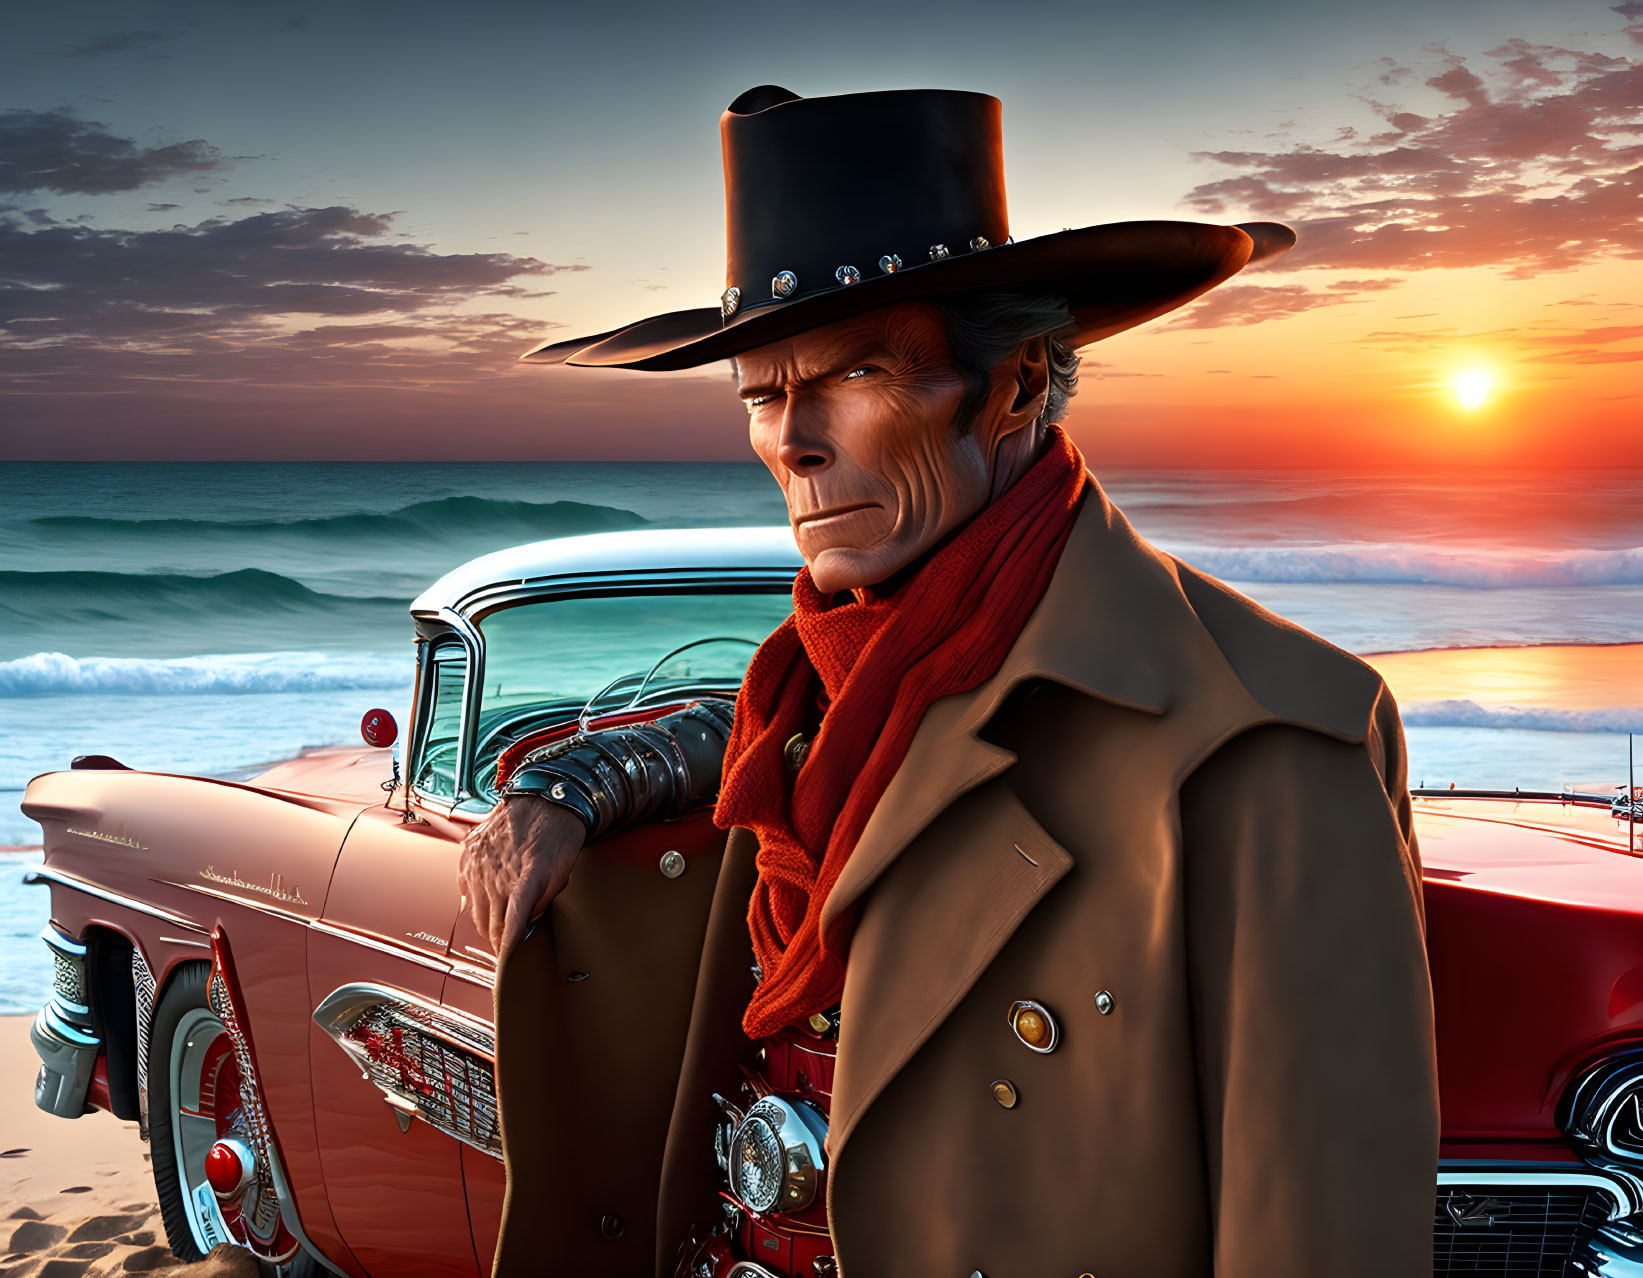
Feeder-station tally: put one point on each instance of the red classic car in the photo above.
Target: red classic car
(276, 979)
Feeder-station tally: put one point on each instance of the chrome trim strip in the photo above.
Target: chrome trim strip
(58, 1024)
(361, 994)
(384, 947)
(43, 873)
(58, 939)
(479, 976)
(1626, 1191)
(180, 940)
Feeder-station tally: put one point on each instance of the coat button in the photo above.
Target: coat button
(1034, 1025)
(610, 1226)
(673, 865)
(1103, 1002)
(1004, 1092)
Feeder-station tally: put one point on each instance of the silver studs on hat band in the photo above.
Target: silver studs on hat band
(890, 263)
(847, 275)
(939, 251)
(980, 242)
(730, 302)
(783, 284)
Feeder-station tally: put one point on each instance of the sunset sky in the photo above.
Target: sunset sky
(268, 229)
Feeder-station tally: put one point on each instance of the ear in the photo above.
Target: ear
(1029, 370)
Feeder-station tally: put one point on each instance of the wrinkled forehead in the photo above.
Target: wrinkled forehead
(906, 333)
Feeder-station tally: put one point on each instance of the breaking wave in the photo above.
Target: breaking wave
(55, 674)
(80, 596)
(522, 520)
(1469, 714)
(1417, 565)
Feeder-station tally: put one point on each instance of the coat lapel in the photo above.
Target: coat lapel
(1113, 624)
(1101, 628)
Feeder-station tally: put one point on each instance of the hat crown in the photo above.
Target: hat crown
(818, 190)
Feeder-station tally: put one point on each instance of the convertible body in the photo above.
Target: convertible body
(275, 977)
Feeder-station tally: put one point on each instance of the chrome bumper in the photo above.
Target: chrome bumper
(1615, 1251)
(64, 1034)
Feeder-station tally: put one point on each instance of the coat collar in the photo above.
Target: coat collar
(1113, 623)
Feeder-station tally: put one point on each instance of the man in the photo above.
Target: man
(1070, 920)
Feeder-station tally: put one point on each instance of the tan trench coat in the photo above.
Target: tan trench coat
(1167, 793)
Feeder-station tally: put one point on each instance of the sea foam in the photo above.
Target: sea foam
(56, 673)
(1411, 564)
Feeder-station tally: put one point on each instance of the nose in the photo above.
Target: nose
(803, 447)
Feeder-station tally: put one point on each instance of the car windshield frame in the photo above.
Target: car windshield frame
(466, 620)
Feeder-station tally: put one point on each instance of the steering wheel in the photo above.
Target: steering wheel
(639, 697)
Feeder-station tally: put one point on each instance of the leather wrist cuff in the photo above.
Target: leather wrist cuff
(617, 777)
(560, 792)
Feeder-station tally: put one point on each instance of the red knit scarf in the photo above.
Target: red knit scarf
(881, 663)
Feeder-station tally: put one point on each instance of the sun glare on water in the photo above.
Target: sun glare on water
(1473, 387)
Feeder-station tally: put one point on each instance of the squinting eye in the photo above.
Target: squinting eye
(860, 372)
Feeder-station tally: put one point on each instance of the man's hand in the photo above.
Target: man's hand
(514, 863)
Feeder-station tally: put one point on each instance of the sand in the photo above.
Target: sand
(77, 1197)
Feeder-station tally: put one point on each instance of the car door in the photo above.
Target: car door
(378, 960)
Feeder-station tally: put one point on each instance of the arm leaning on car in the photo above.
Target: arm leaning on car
(1312, 1004)
(575, 792)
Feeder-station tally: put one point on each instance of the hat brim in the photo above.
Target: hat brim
(1113, 276)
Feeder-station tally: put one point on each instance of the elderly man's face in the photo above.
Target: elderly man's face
(856, 422)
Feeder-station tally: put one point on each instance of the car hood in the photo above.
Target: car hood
(1535, 848)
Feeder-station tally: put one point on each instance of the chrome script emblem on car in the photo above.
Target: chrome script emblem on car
(1470, 1212)
(274, 888)
(118, 839)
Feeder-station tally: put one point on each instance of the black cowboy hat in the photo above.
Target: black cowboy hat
(837, 205)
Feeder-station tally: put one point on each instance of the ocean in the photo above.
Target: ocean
(207, 617)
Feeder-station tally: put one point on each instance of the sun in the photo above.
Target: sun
(1473, 387)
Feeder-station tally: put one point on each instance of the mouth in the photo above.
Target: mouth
(833, 512)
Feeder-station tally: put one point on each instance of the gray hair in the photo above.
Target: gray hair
(988, 326)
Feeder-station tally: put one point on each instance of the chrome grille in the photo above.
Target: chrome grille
(1512, 1232)
(430, 1062)
(68, 976)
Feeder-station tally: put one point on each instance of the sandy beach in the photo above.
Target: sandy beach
(77, 1198)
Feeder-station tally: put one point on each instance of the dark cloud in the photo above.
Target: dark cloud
(217, 321)
(59, 151)
(247, 201)
(119, 42)
(1536, 166)
(163, 208)
(228, 278)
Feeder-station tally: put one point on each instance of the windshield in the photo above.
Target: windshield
(550, 661)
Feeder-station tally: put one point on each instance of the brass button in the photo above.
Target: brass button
(1103, 1002)
(819, 1023)
(1034, 1025)
(673, 865)
(795, 751)
(1004, 1092)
